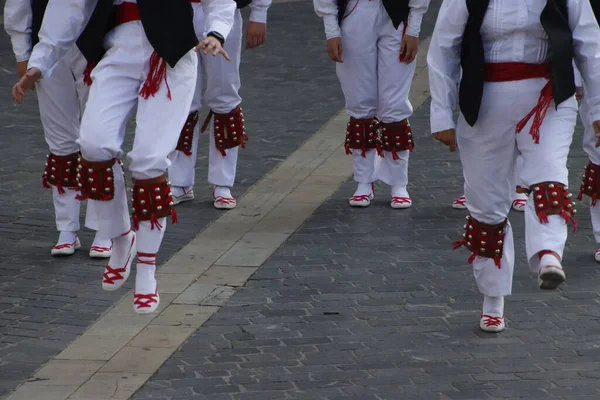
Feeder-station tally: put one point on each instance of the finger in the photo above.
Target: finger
(453, 146)
(224, 53)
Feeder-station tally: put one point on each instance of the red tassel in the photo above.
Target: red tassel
(569, 218)
(157, 73)
(348, 151)
(380, 152)
(580, 195)
(45, 182)
(458, 244)
(223, 153)
(539, 111)
(87, 74)
(136, 223)
(60, 189)
(472, 258)
(395, 155)
(543, 217)
(154, 223)
(81, 197)
(174, 219)
(498, 262)
(594, 198)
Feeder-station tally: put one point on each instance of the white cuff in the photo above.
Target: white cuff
(220, 27)
(414, 24)
(441, 121)
(332, 27)
(258, 15)
(23, 57)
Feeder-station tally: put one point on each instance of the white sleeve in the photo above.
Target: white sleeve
(63, 22)
(219, 16)
(443, 61)
(17, 23)
(328, 10)
(418, 8)
(258, 10)
(578, 81)
(586, 43)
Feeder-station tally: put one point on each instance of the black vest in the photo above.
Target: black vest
(555, 22)
(397, 10)
(596, 7)
(243, 3)
(168, 24)
(38, 8)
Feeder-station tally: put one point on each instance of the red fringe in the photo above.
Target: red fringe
(543, 217)
(395, 155)
(594, 198)
(498, 262)
(136, 222)
(569, 218)
(157, 73)
(472, 258)
(539, 111)
(87, 74)
(458, 244)
(348, 150)
(187, 153)
(155, 223)
(45, 182)
(580, 195)
(60, 189)
(81, 197)
(174, 218)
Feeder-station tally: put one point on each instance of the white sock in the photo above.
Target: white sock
(120, 252)
(222, 191)
(145, 279)
(102, 242)
(67, 237)
(364, 188)
(399, 191)
(493, 306)
(179, 191)
(549, 259)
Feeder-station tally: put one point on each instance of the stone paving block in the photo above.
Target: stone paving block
(196, 293)
(41, 392)
(174, 283)
(192, 316)
(161, 336)
(139, 360)
(110, 386)
(227, 275)
(252, 250)
(92, 347)
(65, 372)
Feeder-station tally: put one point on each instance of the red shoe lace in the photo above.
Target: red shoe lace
(401, 200)
(362, 197)
(461, 201)
(65, 246)
(145, 300)
(100, 249)
(520, 203)
(492, 321)
(113, 274)
(224, 200)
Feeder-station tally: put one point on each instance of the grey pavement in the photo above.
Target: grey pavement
(290, 90)
(373, 304)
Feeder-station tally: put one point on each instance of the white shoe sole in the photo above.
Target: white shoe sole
(399, 206)
(550, 277)
(597, 256)
(148, 310)
(116, 286)
(459, 207)
(69, 251)
(225, 206)
(100, 254)
(182, 199)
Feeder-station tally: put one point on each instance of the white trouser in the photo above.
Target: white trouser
(222, 96)
(593, 152)
(375, 83)
(61, 99)
(117, 81)
(488, 152)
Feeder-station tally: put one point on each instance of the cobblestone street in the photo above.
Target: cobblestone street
(365, 304)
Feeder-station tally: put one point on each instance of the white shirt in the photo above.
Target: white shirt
(64, 21)
(328, 10)
(511, 32)
(258, 10)
(17, 23)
